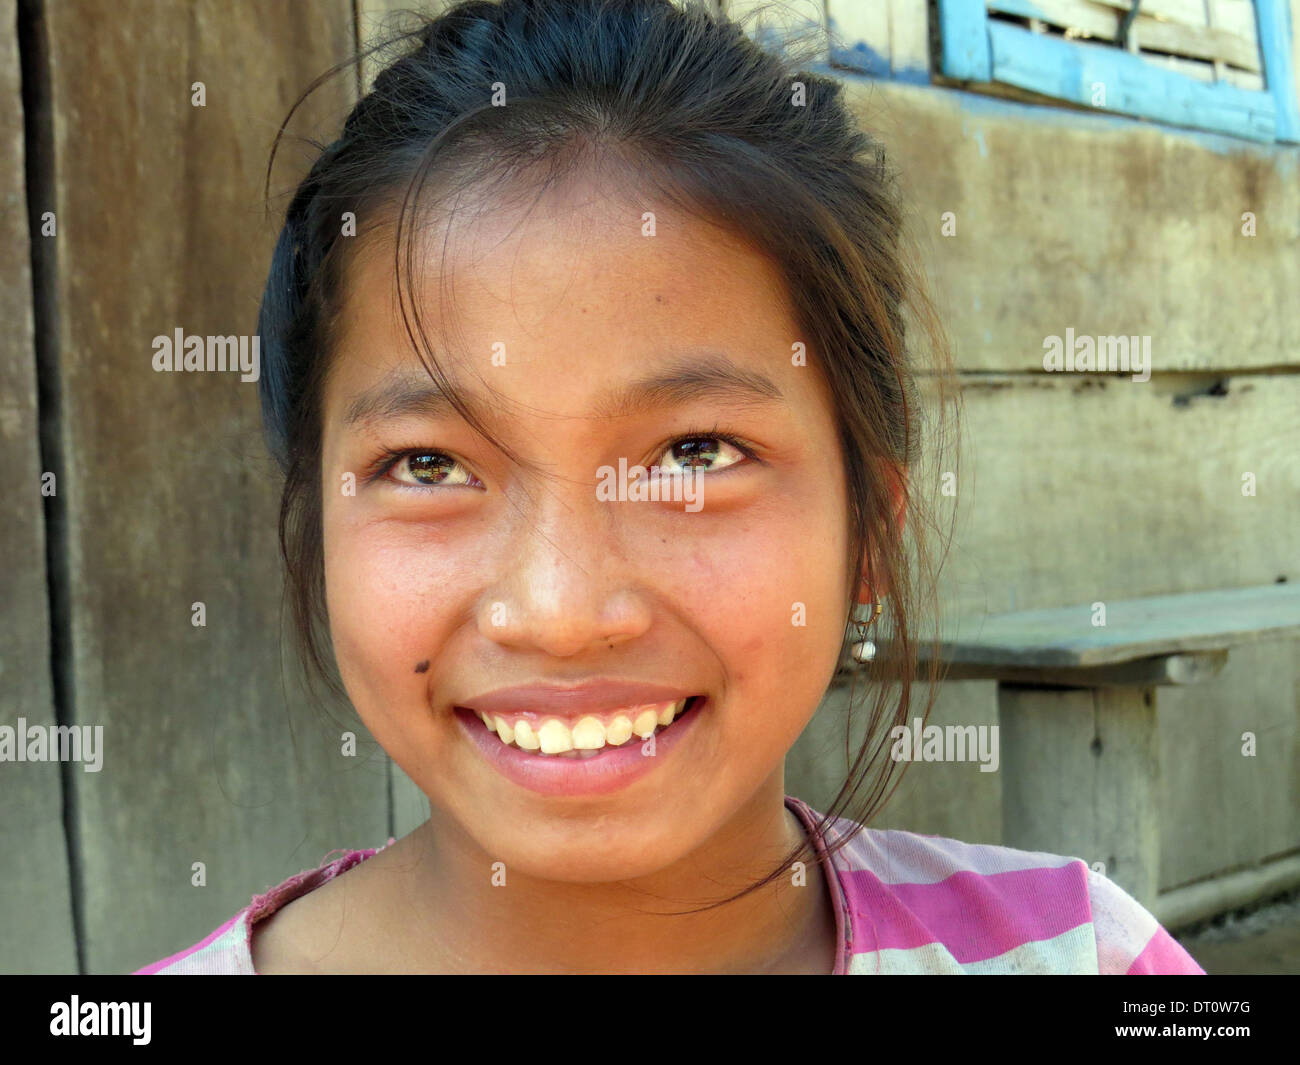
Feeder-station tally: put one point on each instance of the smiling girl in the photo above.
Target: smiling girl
(590, 237)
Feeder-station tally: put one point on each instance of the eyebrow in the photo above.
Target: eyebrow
(688, 377)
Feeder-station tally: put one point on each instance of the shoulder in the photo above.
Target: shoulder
(222, 951)
(228, 949)
(1130, 941)
(933, 904)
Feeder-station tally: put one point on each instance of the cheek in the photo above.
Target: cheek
(386, 599)
(767, 597)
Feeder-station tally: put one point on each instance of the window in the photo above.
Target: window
(1222, 65)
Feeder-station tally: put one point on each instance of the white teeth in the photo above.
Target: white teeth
(645, 723)
(589, 734)
(525, 737)
(556, 737)
(619, 731)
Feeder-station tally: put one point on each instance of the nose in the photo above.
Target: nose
(566, 586)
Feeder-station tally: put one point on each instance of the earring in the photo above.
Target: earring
(864, 650)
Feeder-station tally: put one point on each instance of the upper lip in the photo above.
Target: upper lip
(592, 697)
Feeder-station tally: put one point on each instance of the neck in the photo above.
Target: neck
(532, 925)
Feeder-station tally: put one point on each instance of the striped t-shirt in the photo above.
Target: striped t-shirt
(904, 903)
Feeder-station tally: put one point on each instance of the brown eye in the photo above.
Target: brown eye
(699, 452)
(427, 469)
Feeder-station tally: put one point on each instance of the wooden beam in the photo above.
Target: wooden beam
(1164, 625)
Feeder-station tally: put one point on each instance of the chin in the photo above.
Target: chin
(586, 860)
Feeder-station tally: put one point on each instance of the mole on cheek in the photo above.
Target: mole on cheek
(422, 667)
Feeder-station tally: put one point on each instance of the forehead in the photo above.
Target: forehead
(587, 278)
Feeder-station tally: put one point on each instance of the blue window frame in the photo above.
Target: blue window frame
(976, 48)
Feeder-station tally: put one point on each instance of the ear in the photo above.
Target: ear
(871, 590)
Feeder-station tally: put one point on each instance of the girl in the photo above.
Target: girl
(595, 431)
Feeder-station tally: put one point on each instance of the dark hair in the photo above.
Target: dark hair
(706, 114)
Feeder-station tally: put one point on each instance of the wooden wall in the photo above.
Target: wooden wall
(36, 933)
(165, 497)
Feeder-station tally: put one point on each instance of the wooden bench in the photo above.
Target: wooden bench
(1077, 711)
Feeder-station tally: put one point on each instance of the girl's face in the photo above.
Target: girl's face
(456, 573)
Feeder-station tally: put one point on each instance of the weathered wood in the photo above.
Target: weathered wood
(1210, 43)
(1228, 752)
(1234, 16)
(952, 799)
(1187, 12)
(212, 754)
(36, 926)
(1081, 776)
(1196, 69)
(1074, 488)
(1067, 638)
(1195, 902)
(1200, 41)
(1082, 198)
(1074, 69)
(909, 40)
(1158, 671)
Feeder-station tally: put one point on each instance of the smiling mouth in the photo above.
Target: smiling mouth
(590, 734)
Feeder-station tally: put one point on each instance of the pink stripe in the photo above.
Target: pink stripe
(149, 970)
(975, 916)
(1164, 955)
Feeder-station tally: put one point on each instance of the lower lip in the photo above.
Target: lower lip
(612, 769)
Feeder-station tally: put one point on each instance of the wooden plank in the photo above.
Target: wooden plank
(1186, 905)
(1073, 492)
(1209, 43)
(1236, 17)
(1187, 12)
(1074, 14)
(1276, 34)
(1290, 111)
(1069, 637)
(1221, 68)
(1069, 69)
(953, 799)
(964, 40)
(1083, 201)
(1157, 671)
(1095, 20)
(36, 925)
(1228, 805)
(1082, 777)
(1244, 79)
(1196, 69)
(909, 40)
(214, 756)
